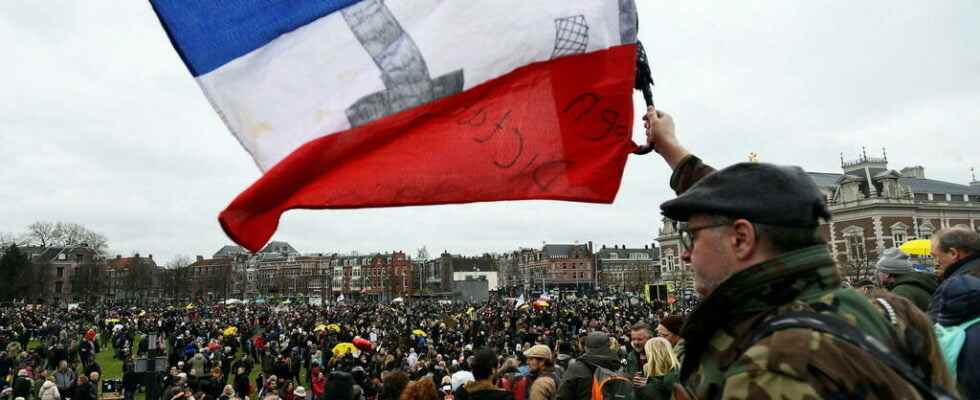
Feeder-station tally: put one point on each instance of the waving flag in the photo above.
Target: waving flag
(372, 103)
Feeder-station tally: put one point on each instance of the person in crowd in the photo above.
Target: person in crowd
(227, 393)
(896, 274)
(242, 385)
(865, 286)
(422, 389)
(49, 389)
(670, 328)
(543, 381)
(576, 383)
(955, 306)
(463, 375)
(23, 385)
(318, 384)
(83, 389)
(64, 377)
(130, 380)
(636, 357)
(299, 393)
(660, 370)
(483, 364)
(341, 386)
(749, 233)
(393, 383)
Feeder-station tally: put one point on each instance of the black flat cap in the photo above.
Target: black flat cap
(759, 192)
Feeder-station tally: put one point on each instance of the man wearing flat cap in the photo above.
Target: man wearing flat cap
(542, 378)
(896, 274)
(749, 234)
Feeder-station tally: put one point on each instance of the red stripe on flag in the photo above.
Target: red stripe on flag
(557, 130)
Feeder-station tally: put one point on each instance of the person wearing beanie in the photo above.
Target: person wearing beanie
(896, 274)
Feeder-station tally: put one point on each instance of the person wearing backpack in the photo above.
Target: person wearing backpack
(578, 380)
(542, 376)
(955, 306)
(774, 320)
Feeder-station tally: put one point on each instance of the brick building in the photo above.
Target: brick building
(627, 269)
(558, 266)
(132, 279)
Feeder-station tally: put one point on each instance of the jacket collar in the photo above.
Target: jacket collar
(957, 267)
(803, 273)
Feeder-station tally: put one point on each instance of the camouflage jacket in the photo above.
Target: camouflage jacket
(720, 361)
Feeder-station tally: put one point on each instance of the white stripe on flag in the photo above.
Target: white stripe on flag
(300, 86)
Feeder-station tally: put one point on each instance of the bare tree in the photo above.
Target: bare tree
(7, 239)
(41, 234)
(47, 234)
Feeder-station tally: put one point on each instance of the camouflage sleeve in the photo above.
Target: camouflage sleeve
(688, 172)
(767, 385)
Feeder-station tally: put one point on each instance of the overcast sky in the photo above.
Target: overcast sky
(102, 125)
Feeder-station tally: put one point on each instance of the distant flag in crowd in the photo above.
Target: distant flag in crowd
(371, 103)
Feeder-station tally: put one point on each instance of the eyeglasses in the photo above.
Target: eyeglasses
(688, 233)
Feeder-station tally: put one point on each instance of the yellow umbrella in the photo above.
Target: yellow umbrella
(334, 327)
(231, 331)
(419, 332)
(344, 348)
(918, 247)
(112, 320)
(190, 306)
(321, 327)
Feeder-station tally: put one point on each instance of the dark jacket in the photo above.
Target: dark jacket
(84, 392)
(481, 390)
(915, 286)
(23, 387)
(957, 300)
(576, 382)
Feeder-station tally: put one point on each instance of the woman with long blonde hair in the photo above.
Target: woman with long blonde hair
(661, 370)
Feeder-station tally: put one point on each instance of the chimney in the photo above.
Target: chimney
(603, 247)
(646, 247)
(200, 258)
(118, 256)
(590, 246)
(137, 255)
(151, 256)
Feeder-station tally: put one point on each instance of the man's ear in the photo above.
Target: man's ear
(745, 242)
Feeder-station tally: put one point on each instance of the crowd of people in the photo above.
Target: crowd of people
(775, 319)
(305, 351)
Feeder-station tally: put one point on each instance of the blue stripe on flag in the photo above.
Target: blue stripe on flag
(209, 33)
